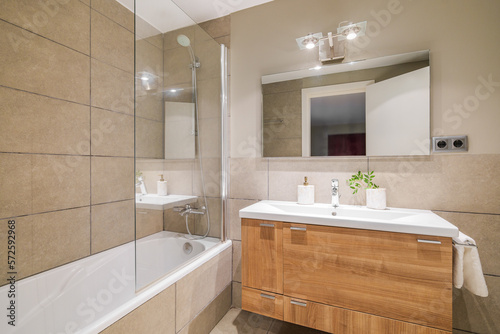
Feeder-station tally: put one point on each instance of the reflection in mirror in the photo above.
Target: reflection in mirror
(326, 112)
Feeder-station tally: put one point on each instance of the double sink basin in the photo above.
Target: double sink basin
(412, 221)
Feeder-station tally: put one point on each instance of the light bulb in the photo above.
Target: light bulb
(351, 35)
(310, 45)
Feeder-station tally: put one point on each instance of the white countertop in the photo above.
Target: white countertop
(412, 221)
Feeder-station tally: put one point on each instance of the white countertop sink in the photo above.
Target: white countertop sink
(413, 221)
(157, 202)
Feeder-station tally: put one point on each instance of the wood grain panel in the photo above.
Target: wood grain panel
(314, 315)
(262, 255)
(262, 302)
(382, 273)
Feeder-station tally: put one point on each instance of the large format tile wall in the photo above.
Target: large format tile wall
(66, 130)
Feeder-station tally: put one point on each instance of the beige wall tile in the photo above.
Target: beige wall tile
(234, 206)
(211, 315)
(151, 171)
(199, 287)
(179, 175)
(148, 222)
(112, 88)
(214, 210)
(211, 174)
(209, 104)
(60, 237)
(112, 225)
(23, 234)
(111, 43)
(86, 2)
(239, 321)
(145, 31)
(226, 40)
(60, 182)
(176, 66)
(453, 182)
(149, 105)
(282, 86)
(116, 12)
(47, 18)
(236, 261)
(149, 139)
(112, 133)
(282, 147)
(38, 65)
(15, 181)
(286, 174)
(217, 27)
(112, 179)
(485, 230)
(36, 124)
(210, 137)
(155, 316)
(477, 314)
(173, 222)
(208, 53)
(249, 178)
(236, 294)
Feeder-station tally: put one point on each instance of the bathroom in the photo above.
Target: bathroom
(67, 172)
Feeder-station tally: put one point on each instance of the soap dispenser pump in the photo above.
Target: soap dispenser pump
(162, 186)
(305, 193)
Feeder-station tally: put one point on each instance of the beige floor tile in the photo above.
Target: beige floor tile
(477, 314)
(15, 181)
(112, 133)
(116, 12)
(156, 316)
(235, 205)
(111, 43)
(46, 19)
(198, 288)
(60, 182)
(112, 179)
(23, 257)
(249, 178)
(485, 230)
(60, 237)
(35, 64)
(211, 315)
(445, 182)
(33, 123)
(112, 225)
(286, 174)
(112, 88)
(236, 261)
(239, 321)
(149, 136)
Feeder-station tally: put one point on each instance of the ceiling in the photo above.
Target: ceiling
(167, 15)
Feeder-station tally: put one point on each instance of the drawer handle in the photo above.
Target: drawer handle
(429, 241)
(298, 303)
(267, 296)
(266, 225)
(293, 228)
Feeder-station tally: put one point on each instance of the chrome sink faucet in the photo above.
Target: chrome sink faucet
(142, 185)
(335, 193)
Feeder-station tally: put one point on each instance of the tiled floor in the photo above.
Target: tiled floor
(237, 321)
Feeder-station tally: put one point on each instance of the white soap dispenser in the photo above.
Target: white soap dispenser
(162, 186)
(305, 193)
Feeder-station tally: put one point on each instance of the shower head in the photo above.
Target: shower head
(183, 40)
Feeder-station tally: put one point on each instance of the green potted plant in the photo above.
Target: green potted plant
(375, 196)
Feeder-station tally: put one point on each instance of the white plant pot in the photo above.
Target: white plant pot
(376, 199)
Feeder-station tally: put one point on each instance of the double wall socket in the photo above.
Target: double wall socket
(450, 144)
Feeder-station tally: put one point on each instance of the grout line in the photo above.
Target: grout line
(71, 155)
(467, 212)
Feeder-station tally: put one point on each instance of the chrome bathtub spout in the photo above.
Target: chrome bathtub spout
(335, 193)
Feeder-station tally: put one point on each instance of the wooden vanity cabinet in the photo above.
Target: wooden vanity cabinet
(343, 280)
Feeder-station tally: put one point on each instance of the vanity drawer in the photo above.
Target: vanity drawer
(395, 275)
(309, 314)
(262, 302)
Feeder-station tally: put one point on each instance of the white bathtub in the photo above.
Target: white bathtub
(88, 295)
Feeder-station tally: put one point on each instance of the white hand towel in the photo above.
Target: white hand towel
(467, 269)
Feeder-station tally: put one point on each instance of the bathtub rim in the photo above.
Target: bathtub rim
(153, 289)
